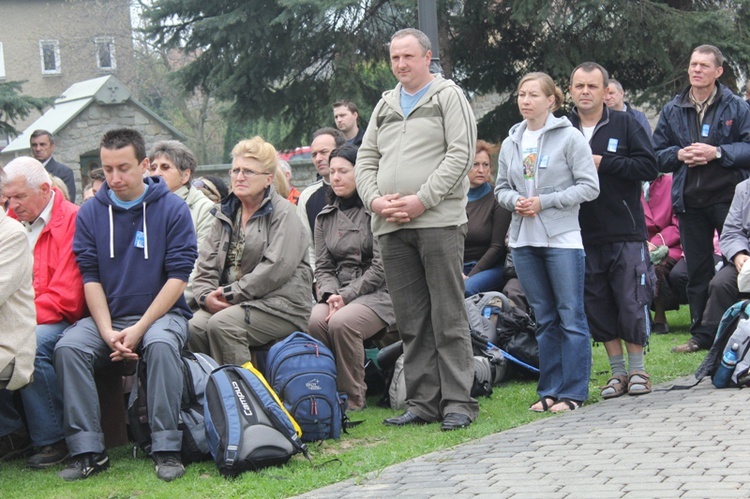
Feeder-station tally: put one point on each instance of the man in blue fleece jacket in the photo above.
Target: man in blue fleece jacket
(135, 246)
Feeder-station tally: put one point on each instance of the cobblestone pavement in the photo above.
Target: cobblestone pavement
(678, 443)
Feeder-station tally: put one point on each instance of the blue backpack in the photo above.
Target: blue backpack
(732, 329)
(302, 371)
(247, 426)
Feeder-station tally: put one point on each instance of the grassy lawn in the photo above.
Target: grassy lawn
(368, 447)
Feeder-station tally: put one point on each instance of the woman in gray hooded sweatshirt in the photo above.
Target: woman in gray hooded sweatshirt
(545, 171)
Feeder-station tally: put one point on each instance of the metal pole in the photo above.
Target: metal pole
(427, 15)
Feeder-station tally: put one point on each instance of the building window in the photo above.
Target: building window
(49, 51)
(2, 62)
(105, 54)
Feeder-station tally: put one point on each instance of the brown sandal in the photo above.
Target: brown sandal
(639, 383)
(615, 387)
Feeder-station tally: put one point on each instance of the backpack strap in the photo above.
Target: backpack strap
(276, 411)
(223, 384)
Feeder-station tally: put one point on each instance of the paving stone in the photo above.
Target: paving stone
(663, 494)
(434, 490)
(598, 491)
(724, 471)
(669, 444)
(631, 478)
(713, 494)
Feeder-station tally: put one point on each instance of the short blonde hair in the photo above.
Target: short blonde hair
(484, 146)
(58, 182)
(257, 149)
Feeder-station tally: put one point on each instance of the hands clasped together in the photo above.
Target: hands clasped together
(124, 343)
(528, 207)
(697, 154)
(397, 209)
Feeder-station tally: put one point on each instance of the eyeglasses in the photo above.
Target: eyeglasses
(483, 165)
(165, 167)
(246, 172)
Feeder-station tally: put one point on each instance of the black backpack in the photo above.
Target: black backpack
(196, 369)
(513, 332)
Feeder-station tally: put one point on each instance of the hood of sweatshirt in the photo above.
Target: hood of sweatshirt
(157, 188)
(553, 122)
(392, 98)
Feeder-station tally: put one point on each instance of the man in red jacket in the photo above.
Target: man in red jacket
(58, 288)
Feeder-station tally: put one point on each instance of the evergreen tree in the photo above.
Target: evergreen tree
(646, 45)
(274, 58)
(14, 106)
(292, 58)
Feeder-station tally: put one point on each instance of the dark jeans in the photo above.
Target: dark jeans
(490, 279)
(697, 226)
(42, 400)
(678, 279)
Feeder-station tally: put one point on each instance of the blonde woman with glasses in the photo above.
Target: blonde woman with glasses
(253, 279)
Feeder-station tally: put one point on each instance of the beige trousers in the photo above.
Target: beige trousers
(344, 334)
(228, 335)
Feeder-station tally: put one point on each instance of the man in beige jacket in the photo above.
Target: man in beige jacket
(18, 341)
(412, 174)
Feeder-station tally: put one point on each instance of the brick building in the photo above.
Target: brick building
(52, 44)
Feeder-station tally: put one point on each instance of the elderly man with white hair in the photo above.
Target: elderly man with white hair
(17, 344)
(49, 223)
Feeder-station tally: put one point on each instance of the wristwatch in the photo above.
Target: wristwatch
(718, 152)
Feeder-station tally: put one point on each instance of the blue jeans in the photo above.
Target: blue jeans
(42, 401)
(553, 279)
(486, 280)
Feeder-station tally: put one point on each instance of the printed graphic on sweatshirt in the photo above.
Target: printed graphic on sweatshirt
(529, 169)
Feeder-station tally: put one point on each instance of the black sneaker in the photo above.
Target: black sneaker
(49, 455)
(85, 465)
(14, 445)
(168, 465)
